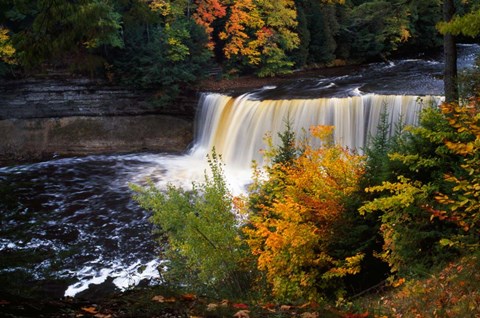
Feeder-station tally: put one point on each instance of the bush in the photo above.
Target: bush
(293, 213)
(203, 245)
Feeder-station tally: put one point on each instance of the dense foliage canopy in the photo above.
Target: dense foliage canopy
(165, 43)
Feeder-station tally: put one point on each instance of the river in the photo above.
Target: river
(70, 223)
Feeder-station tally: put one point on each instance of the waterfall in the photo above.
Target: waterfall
(236, 126)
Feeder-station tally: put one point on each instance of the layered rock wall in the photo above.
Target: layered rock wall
(43, 117)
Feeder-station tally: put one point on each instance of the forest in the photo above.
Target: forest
(170, 45)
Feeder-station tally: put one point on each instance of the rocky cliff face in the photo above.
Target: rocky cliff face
(42, 117)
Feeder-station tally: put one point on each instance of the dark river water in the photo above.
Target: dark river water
(66, 224)
(72, 222)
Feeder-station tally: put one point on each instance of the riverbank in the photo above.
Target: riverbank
(452, 291)
(156, 302)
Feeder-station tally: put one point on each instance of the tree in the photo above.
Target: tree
(468, 24)
(60, 30)
(423, 16)
(291, 227)
(404, 203)
(450, 55)
(321, 20)
(7, 51)
(204, 248)
(164, 50)
(300, 54)
(206, 13)
(260, 33)
(377, 27)
(462, 204)
(243, 21)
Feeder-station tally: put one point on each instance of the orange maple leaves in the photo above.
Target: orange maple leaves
(290, 236)
(207, 12)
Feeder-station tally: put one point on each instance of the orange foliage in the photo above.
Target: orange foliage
(291, 235)
(207, 12)
(464, 201)
(243, 18)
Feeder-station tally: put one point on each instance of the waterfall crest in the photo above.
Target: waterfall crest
(236, 126)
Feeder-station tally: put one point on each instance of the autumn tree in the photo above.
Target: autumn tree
(206, 13)
(462, 205)
(404, 202)
(292, 216)
(243, 21)
(260, 33)
(7, 51)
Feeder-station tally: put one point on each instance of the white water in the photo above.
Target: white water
(236, 128)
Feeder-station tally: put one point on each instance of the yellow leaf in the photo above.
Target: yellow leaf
(162, 299)
(90, 310)
(159, 299)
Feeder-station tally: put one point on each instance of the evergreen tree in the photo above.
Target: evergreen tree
(63, 31)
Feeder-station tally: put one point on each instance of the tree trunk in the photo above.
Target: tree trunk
(450, 56)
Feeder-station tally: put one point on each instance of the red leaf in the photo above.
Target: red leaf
(240, 306)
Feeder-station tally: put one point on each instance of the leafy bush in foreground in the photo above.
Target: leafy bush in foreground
(204, 249)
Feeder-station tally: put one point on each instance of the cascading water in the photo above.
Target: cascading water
(73, 220)
(236, 126)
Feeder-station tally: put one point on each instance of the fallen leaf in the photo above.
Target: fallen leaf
(224, 303)
(162, 299)
(309, 315)
(189, 297)
(170, 300)
(159, 299)
(285, 307)
(270, 307)
(240, 306)
(242, 314)
(212, 307)
(310, 304)
(90, 310)
(102, 316)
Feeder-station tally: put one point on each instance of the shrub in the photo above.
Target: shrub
(203, 245)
